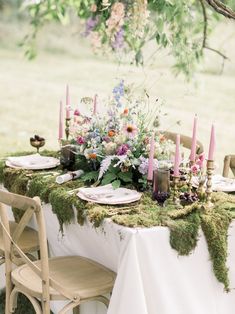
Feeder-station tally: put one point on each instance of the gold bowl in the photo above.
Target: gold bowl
(37, 142)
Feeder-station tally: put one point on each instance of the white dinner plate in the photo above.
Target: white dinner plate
(219, 183)
(32, 162)
(109, 196)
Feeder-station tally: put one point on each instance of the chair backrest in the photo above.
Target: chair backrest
(185, 140)
(229, 163)
(30, 207)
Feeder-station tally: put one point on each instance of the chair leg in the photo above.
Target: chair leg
(76, 310)
(68, 307)
(13, 301)
(103, 300)
(8, 293)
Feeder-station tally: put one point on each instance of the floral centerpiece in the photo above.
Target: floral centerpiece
(113, 147)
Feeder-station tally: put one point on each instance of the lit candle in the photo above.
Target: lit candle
(67, 103)
(212, 144)
(194, 141)
(60, 135)
(95, 105)
(177, 156)
(151, 157)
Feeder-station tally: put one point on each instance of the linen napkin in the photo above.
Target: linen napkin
(69, 176)
(108, 195)
(31, 161)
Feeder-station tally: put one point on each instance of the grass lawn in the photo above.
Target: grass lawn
(30, 90)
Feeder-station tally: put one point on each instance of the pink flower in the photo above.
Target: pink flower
(116, 19)
(80, 140)
(76, 112)
(195, 169)
(200, 160)
(93, 7)
(130, 130)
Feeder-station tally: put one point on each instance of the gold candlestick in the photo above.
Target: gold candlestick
(67, 125)
(175, 192)
(190, 175)
(209, 172)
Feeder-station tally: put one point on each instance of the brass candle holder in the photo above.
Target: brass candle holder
(209, 172)
(67, 125)
(190, 175)
(175, 192)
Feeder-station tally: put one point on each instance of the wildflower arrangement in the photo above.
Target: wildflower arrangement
(118, 25)
(113, 147)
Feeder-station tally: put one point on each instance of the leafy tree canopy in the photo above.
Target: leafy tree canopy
(125, 26)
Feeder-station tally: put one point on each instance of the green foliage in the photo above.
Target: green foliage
(175, 25)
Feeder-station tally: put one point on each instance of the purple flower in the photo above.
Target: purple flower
(90, 25)
(80, 140)
(107, 139)
(144, 162)
(118, 40)
(122, 150)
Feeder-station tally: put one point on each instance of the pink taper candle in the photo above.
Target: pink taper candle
(151, 157)
(194, 141)
(177, 156)
(95, 105)
(67, 103)
(212, 144)
(60, 135)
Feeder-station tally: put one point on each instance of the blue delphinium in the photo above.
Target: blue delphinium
(118, 92)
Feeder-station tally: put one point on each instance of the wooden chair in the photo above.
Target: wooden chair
(24, 236)
(185, 140)
(229, 164)
(72, 278)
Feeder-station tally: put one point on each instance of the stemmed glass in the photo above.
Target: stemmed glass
(37, 142)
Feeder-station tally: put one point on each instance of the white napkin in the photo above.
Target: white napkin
(31, 161)
(108, 195)
(69, 176)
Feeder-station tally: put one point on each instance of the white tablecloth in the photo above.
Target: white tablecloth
(151, 277)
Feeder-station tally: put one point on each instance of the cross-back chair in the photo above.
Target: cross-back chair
(229, 164)
(26, 237)
(185, 140)
(72, 278)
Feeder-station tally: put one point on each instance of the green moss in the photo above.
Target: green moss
(184, 233)
(215, 224)
(183, 223)
(62, 205)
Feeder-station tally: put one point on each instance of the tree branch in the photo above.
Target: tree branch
(221, 8)
(205, 28)
(205, 23)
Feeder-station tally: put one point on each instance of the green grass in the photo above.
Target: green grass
(30, 90)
